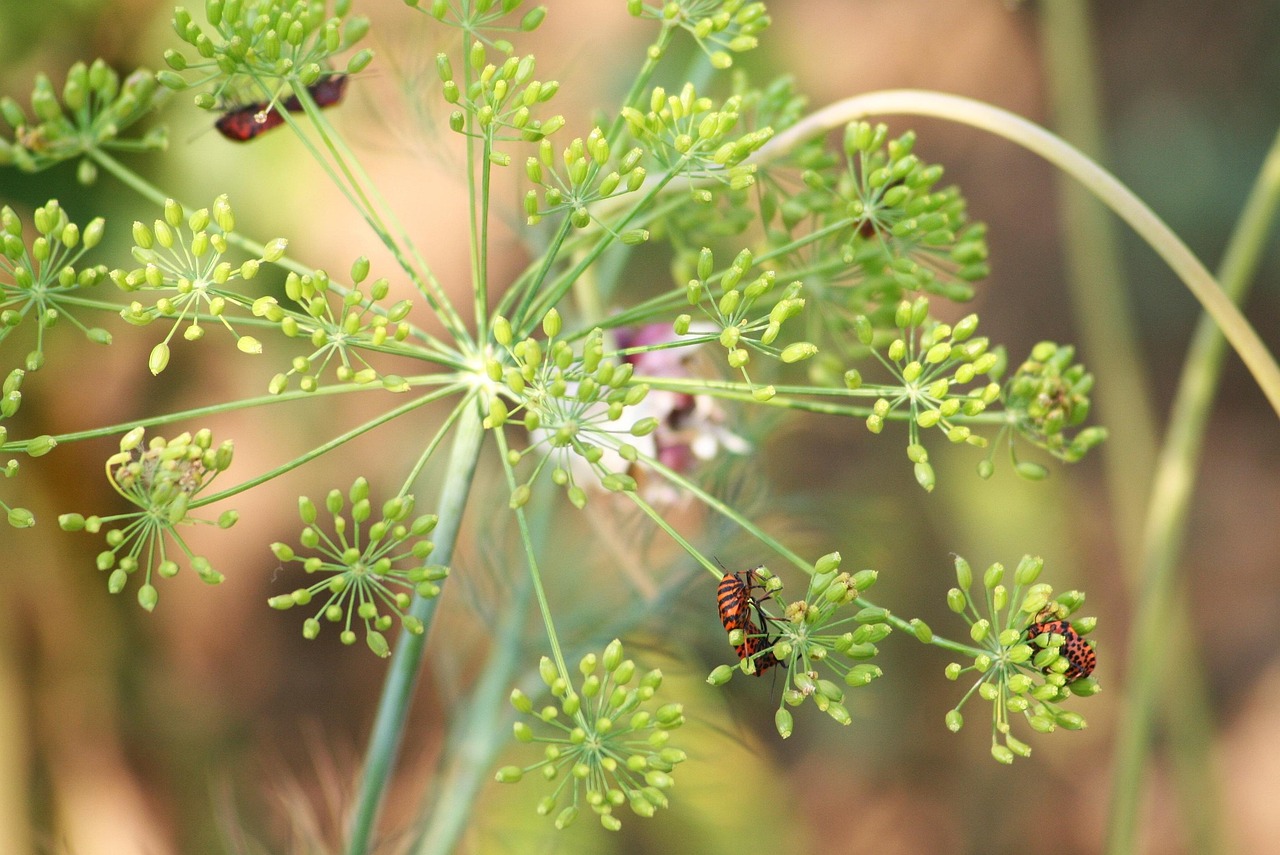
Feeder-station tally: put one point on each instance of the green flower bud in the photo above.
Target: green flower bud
(864, 579)
(378, 644)
(510, 775)
(862, 674)
(993, 575)
(21, 518)
(862, 328)
(925, 476)
(1041, 724)
(1031, 471)
(1070, 720)
(248, 344)
(41, 445)
(782, 720)
(159, 358)
(1000, 597)
(862, 651)
(954, 721)
(872, 615)
(1028, 570)
(798, 351)
(520, 496)
(521, 702)
(1071, 600)
(720, 675)
(839, 713)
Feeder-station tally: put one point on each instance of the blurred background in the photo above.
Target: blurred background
(211, 726)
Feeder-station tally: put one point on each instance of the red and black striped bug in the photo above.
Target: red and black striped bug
(754, 642)
(252, 120)
(1080, 656)
(735, 600)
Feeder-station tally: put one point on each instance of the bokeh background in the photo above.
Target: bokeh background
(212, 726)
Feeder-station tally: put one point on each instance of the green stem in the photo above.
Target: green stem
(370, 204)
(210, 410)
(525, 288)
(721, 508)
(527, 320)
(1095, 276)
(730, 390)
(480, 241)
(531, 556)
(652, 57)
(1101, 183)
(325, 448)
(479, 732)
(151, 193)
(397, 691)
(1097, 286)
(1169, 506)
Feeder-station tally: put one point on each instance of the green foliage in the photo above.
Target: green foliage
(841, 257)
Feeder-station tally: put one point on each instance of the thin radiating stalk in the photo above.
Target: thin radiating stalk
(150, 192)
(397, 690)
(1167, 513)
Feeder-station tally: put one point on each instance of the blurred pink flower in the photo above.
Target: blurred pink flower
(690, 427)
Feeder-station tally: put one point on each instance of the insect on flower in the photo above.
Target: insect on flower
(735, 600)
(754, 643)
(245, 123)
(1079, 653)
(325, 92)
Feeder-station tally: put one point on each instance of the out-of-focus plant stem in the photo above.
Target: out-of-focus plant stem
(397, 690)
(1167, 512)
(1097, 284)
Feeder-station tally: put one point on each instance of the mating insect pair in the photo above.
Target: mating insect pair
(736, 602)
(1080, 656)
(244, 123)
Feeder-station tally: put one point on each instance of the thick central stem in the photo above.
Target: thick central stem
(397, 691)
